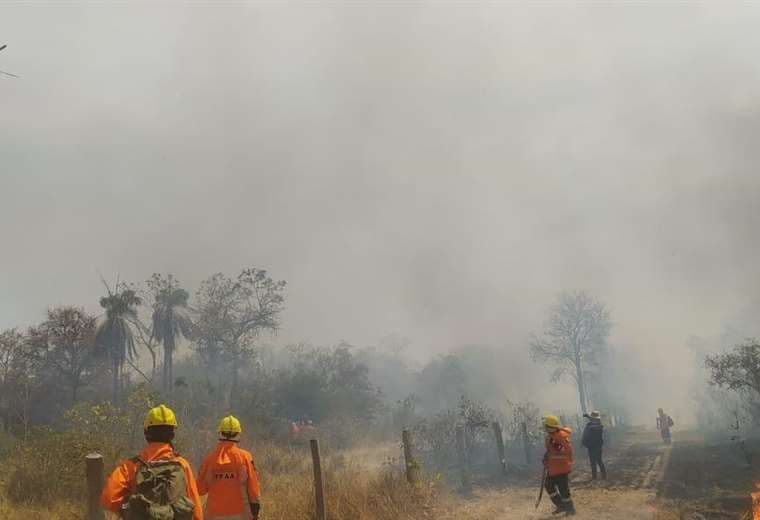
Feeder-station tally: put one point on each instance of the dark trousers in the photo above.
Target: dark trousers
(595, 458)
(558, 488)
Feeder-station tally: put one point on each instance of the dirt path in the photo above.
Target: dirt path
(635, 468)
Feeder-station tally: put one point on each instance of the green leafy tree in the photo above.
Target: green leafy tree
(171, 320)
(441, 383)
(114, 334)
(576, 333)
(325, 382)
(737, 370)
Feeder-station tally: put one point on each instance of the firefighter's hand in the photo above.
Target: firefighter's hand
(255, 508)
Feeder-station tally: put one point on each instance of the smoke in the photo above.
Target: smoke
(439, 170)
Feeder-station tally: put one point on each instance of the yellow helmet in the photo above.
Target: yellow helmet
(161, 415)
(230, 424)
(551, 421)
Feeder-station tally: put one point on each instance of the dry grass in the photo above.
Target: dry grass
(352, 494)
(61, 511)
(353, 491)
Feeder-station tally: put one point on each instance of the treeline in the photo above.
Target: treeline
(72, 355)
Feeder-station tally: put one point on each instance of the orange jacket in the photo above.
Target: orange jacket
(119, 485)
(558, 459)
(228, 475)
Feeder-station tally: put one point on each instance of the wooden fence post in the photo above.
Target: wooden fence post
(464, 463)
(500, 447)
(94, 473)
(412, 468)
(319, 490)
(526, 443)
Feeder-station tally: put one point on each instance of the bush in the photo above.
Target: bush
(47, 469)
(435, 437)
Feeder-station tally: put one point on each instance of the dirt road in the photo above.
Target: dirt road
(635, 466)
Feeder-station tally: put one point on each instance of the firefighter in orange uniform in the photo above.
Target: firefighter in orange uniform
(558, 462)
(126, 481)
(228, 476)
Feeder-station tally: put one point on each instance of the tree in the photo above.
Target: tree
(442, 382)
(20, 382)
(738, 370)
(115, 335)
(576, 332)
(66, 342)
(232, 313)
(171, 319)
(13, 364)
(324, 383)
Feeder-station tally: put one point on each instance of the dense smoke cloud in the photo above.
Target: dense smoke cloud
(438, 170)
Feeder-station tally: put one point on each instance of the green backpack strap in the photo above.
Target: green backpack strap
(137, 461)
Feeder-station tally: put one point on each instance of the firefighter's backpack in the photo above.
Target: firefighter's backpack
(159, 492)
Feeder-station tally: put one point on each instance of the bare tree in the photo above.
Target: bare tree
(13, 365)
(232, 313)
(576, 332)
(66, 342)
(143, 332)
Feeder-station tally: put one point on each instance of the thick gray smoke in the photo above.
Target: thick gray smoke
(436, 169)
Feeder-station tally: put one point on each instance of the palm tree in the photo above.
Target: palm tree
(114, 334)
(171, 320)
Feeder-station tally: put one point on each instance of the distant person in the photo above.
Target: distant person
(558, 462)
(664, 424)
(228, 476)
(157, 483)
(593, 441)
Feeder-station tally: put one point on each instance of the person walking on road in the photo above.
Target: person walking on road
(228, 476)
(593, 441)
(558, 462)
(157, 483)
(664, 424)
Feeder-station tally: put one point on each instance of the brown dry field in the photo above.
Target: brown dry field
(690, 480)
(635, 467)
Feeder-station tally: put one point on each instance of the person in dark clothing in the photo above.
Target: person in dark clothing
(664, 424)
(593, 441)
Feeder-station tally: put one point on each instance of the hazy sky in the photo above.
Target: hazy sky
(440, 169)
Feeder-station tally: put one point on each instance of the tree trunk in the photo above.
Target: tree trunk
(170, 368)
(168, 364)
(581, 384)
(7, 419)
(234, 386)
(153, 367)
(115, 381)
